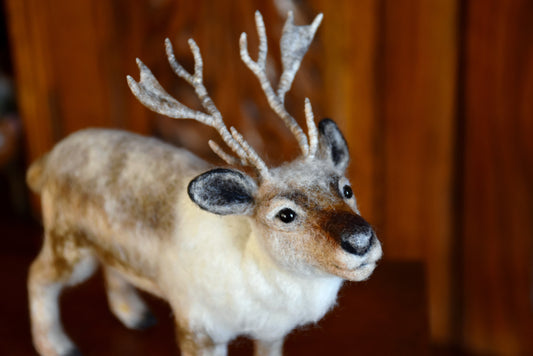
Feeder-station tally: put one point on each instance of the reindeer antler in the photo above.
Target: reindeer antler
(152, 95)
(294, 43)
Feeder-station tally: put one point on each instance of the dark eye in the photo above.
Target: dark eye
(347, 192)
(286, 215)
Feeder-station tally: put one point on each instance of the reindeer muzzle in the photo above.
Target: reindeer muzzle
(354, 234)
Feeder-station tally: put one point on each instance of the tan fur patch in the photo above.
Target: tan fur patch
(192, 343)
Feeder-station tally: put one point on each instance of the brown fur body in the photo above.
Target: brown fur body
(90, 199)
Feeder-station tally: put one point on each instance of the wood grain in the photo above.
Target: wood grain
(419, 87)
(498, 189)
(28, 29)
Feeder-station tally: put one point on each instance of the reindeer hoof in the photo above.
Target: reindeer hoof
(147, 321)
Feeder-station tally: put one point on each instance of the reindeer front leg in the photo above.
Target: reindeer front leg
(268, 348)
(194, 343)
(125, 302)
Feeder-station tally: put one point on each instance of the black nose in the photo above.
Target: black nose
(355, 235)
(358, 243)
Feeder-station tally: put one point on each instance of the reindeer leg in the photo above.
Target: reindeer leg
(51, 271)
(125, 302)
(198, 344)
(268, 348)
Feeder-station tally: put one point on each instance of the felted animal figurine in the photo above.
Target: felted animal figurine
(232, 253)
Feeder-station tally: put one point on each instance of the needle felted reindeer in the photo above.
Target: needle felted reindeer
(232, 253)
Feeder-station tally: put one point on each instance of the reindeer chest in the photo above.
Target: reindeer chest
(227, 287)
(273, 310)
(288, 304)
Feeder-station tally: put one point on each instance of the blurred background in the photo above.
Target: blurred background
(434, 97)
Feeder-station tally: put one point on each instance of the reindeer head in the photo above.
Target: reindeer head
(303, 212)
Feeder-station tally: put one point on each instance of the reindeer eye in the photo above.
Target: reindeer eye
(286, 215)
(347, 192)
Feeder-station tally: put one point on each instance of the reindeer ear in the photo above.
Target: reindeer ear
(223, 191)
(333, 145)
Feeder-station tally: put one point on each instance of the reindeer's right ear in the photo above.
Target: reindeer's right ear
(223, 191)
(333, 145)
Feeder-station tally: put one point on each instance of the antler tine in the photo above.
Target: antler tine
(229, 159)
(196, 81)
(259, 69)
(312, 129)
(152, 95)
(251, 155)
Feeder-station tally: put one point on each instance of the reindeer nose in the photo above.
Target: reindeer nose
(352, 231)
(358, 243)
(354, 234)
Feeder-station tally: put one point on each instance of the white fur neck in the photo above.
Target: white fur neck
(289, 299)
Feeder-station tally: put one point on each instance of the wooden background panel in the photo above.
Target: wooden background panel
(31, 59)
(418, 100)
(498, 181)
(80, 91)
(69, 70)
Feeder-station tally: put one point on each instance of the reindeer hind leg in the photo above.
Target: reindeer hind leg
(59, 264)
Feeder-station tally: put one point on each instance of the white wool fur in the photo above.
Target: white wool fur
(233, 286)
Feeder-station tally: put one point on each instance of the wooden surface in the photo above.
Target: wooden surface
(498, 178)
(386, 315)
(434, 98)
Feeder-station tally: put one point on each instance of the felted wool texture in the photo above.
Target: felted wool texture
(223, 191)
(223, 275)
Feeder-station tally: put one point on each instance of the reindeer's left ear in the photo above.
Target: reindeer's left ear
(223, 191)
(333, 145)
